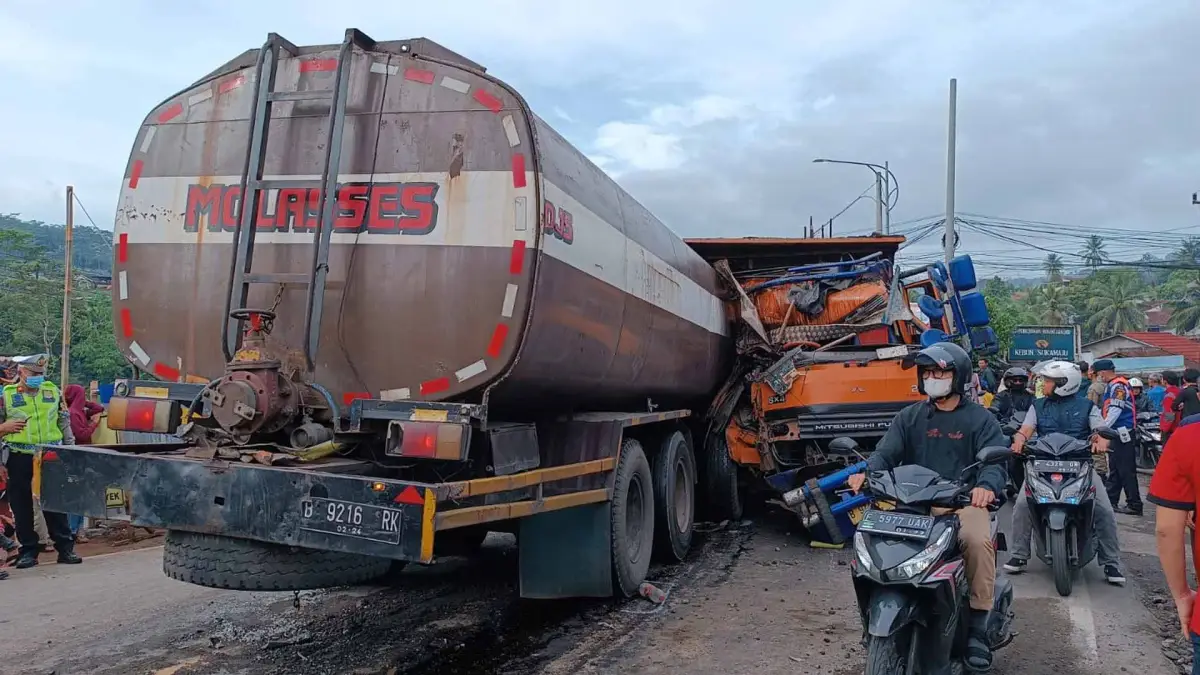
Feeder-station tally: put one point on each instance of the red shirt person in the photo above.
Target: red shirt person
(1175, 489)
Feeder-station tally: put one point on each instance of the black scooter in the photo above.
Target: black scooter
(910, 578)
(1148, 436)
(1062, 499)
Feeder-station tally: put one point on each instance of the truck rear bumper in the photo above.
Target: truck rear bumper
(294, 507)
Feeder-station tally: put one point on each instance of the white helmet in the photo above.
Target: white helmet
(1066, 376)
(1135, 382)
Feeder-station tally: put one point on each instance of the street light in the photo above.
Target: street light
(885, 184)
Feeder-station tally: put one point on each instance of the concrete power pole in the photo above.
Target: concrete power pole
(65, 365)
(948, 243)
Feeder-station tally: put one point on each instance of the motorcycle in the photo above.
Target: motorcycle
(1062, 497)
(1148, 440)
(1016, 468)
(909, 575)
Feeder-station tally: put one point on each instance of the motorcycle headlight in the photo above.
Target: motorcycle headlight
(919, 563)
(1041, 490)
(1156, 435)
(860, 550)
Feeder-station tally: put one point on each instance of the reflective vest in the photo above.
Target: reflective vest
(1064, 415)
(1118, 394)
(41, 410)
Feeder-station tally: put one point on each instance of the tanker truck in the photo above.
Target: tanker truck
(383, 309)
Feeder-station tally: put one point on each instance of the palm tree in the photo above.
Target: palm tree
(1115, 308)
(1053, 265)
(1188, 251)
(1093, 252)
(1185, 311)
(1052, 305)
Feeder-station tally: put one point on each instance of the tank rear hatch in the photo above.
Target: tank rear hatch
(435, 235)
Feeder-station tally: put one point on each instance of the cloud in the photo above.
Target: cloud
(710, 113)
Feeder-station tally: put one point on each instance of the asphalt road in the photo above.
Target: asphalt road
(753, 598)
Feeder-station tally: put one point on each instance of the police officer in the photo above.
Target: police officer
(1117, 408)
(32, 414)
(943, 433)
(1062, 410)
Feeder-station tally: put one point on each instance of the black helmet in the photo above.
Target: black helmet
(942, 356)
(1015, 373)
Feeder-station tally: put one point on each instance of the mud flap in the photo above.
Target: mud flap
(889, 610)
(1057, 519)
(566, 554)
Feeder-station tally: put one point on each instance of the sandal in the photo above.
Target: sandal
(979, 656)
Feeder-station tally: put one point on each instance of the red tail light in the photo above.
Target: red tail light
(140, 414)
(428, 440)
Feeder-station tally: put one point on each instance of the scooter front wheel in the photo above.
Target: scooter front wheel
(1064, 578)
(888, 655)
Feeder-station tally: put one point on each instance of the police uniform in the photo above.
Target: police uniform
(47, 423)
(1117, 408)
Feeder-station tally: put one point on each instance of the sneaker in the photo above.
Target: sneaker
(26, 561)
(3, 575)
(1112, 574)
(69, 558)
(1016, 565)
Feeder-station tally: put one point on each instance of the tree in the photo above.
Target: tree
(1116, 307)
(1188, 252)
(1093, 252)
(1005, 313)
(1185, 300)
(1051, 304)
(1053, 265)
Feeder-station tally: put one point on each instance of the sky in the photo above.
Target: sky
(1075, 112)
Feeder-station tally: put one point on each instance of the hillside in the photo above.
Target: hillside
(93, 246)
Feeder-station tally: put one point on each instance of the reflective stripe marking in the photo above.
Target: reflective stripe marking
(135, 174)
(401, 394)
(456, 85)
(418, 75)
(510, 301)
(200, 98)
(229, 85)
(520, 214)
(510, 130)
(145, 147)
(383, 68)
(427, 513)
(173, 111)
(123, 284)
(139, 353)
(467, 372)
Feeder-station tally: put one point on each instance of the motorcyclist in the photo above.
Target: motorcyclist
(1063, 411)
(1141, 399)
(944, 433)
(1015, 397)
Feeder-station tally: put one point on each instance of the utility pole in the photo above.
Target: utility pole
(878, 203)
(948, 237)
(887, 195)
(66, 320)
(811, 230)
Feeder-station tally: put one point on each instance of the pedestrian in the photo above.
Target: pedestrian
(1117, 408)
(987, 378)
(1169, 418)
(32, 414)
(1187, 403)
(1095, 390)
(1157, 390)
(84, 421)
(1173, 490)
(1086, 382)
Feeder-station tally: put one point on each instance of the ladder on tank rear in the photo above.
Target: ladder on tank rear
(241, 278)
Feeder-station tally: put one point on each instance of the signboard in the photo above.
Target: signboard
(1042, 343)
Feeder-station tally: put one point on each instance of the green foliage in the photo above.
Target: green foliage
(32, 276)
(92, 248)
(1005, 312)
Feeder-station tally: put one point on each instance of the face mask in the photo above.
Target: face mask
(937, 388)
(35, 381)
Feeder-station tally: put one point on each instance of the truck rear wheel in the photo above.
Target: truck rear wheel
(244, 564)
(674, 469)
(721, 493)
(632, 519)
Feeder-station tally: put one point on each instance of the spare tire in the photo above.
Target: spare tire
(248, 565)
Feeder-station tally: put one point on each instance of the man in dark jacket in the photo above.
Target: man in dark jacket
(944, 433)
(1016, 397)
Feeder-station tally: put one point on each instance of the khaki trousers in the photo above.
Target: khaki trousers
(975, 539)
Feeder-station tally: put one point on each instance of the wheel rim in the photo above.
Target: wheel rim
(682, 497)
(635, 510)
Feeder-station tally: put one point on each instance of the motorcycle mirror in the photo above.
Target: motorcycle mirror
(1011, 427)
(1106, 432)
(993, 454)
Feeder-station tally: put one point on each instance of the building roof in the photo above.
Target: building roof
(1188, 348)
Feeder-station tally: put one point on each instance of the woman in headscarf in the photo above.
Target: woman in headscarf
(83, 424)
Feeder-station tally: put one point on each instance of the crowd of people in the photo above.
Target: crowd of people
(34, 413)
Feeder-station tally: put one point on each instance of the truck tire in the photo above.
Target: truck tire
(674, 469)
(244, 564)
(631, 520)
(721, 494)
